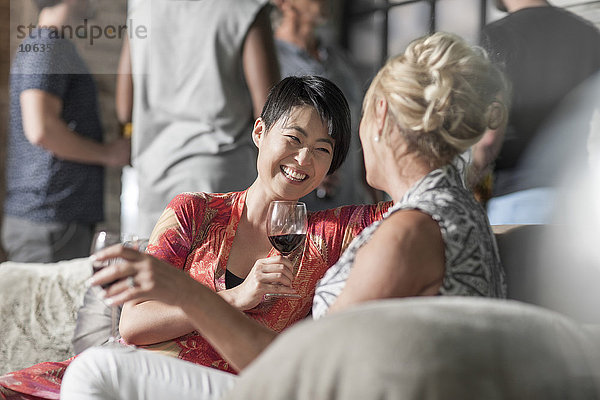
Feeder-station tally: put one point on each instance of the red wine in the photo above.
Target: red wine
(97, 267)
(287, 243)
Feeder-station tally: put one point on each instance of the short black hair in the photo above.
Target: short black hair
(46, 3)
(321, 94)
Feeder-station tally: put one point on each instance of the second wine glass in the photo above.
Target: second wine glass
(103, 239)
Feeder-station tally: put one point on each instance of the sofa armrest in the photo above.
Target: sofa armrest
(434, 348)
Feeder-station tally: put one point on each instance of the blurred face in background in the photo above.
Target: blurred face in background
(313, 12)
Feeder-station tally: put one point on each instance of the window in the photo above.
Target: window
(377, 29)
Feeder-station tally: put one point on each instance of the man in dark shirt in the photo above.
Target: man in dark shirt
(546, 52)
(55, 155)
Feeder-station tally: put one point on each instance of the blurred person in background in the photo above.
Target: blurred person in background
(563, 258)
(55, 154)
(197, 88)
(568, 264)
(546, 52)
(302, 50)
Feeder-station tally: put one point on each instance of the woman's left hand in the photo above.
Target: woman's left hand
(139, 276)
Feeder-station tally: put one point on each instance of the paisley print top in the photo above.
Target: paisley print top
(472, 262)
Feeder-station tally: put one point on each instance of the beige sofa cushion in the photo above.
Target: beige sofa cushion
(429, 348)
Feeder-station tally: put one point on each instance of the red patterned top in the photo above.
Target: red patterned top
(195, 234)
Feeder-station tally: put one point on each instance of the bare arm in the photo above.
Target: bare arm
(44, 127)
(237, 337)
(405, 257)
(124, 88)
(261, 68)
(151, 321)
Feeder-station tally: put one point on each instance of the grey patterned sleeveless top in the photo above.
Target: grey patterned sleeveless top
(472, 262)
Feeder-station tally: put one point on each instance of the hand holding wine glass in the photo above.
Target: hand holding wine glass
(287, 223)
(102, 240)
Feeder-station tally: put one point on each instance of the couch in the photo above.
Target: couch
(529, 347)
(543, 343)
(429, 349)
(38, 305)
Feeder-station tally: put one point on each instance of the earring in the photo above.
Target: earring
(376, 138)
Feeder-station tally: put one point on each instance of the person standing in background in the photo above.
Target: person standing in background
(200, 77)
(55, 154)
(301, 51)
(546, 52)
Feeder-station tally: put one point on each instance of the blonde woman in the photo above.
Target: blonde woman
(422, 110)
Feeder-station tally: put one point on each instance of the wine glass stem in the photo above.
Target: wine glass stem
(113, 324)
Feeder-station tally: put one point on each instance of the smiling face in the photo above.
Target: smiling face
(294, 155)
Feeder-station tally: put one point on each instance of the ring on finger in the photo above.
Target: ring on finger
(130, 282)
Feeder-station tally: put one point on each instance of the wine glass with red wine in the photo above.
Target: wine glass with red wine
(286, 226)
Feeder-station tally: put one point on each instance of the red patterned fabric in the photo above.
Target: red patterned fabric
(42, 381)
(195, 234)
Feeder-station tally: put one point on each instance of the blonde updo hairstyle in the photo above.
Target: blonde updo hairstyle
(442, 93)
